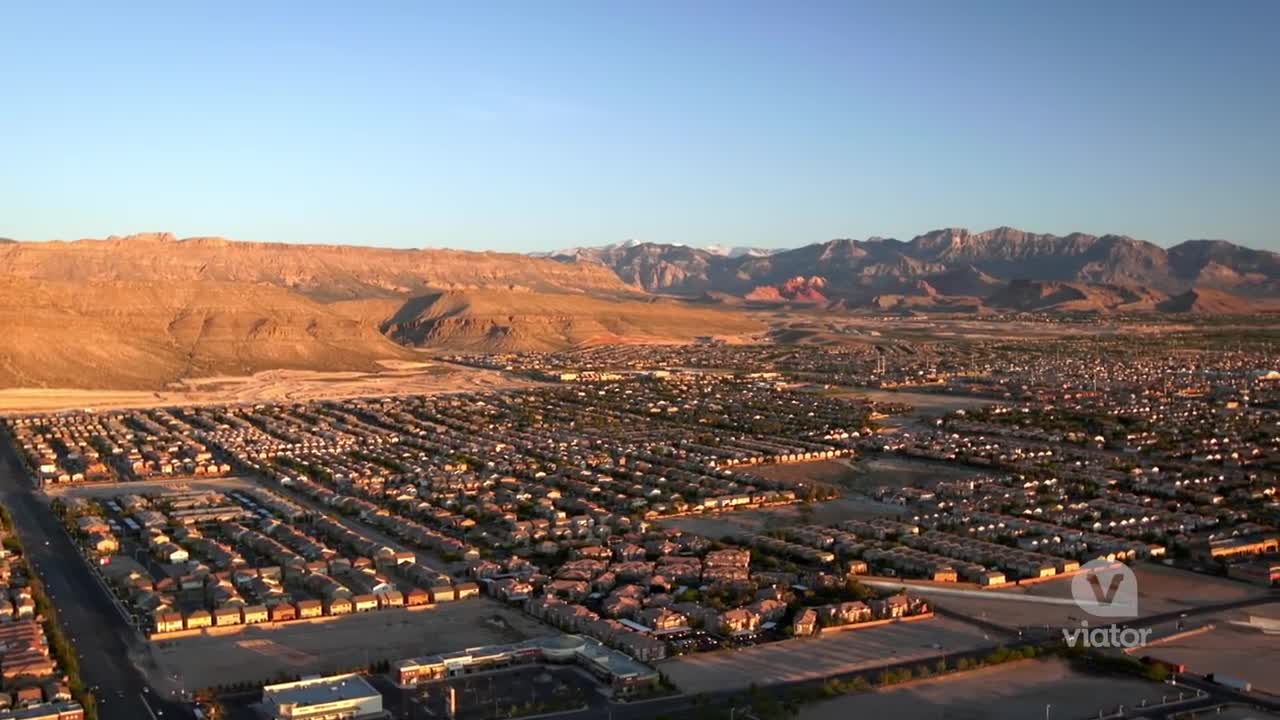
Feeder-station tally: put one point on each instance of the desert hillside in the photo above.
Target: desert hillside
(142, 335)
(324, 272)
(142, 311)
(505, 320)
(1037, 296)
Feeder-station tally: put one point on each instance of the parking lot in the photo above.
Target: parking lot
(531, 690)
(692, 641)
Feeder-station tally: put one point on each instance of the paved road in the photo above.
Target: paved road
(1216, 695)
(1222, 694)
(90, 620)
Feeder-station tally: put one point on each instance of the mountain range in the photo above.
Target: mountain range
(948, 262)
(145, 310)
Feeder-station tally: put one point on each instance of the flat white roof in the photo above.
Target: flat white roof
(318, 691)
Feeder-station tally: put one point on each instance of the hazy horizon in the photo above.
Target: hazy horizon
(520, 128)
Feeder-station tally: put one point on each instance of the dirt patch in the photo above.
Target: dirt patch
(1018, 690)
(263, 653)
(1229, 649)
(411, 378)
(1163, 589)
(829, 472)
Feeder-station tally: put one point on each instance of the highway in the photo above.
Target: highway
(102, 638)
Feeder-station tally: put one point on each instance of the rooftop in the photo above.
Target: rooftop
(318, 691)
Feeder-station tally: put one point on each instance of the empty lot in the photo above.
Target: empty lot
(1008, 692)
(108, 490)
(1161, 589)
(257, 652)
(395, 378)
(1231, 650)
(834, 653)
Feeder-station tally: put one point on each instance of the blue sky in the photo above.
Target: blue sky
(539, 125)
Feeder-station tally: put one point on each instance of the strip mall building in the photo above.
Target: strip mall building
(624, 674)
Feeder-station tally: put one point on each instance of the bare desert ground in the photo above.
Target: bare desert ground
(1161, 589)
(258, 652)
(1030, 689)
(853, 477)
(396, 378)
(116, 489)
(1232, 649)
(867, 473)
(922, 403)
(718, 525)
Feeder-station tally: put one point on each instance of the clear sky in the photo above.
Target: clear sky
(542, 124)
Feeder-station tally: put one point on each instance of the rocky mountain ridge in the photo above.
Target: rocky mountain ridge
(141, 311)
(965, 262)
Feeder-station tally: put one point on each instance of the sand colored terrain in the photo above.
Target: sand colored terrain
(143, 312)
(1018, 690)
(140, 313)
(327, 645)
(1233, 648)
(143, 335)
(506, 320)
(324, 272)
(1161, 589)
(403, 378)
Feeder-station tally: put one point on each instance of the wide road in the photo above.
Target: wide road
(90, 620)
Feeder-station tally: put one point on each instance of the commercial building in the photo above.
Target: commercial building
(336, 697)
(1263, 571)
(1226, 548)
(619, 670)
(45, 711)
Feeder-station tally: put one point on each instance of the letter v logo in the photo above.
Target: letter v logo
(1106, 589)
(1108, 596)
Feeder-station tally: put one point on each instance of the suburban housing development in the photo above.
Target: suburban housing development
(650, 514)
